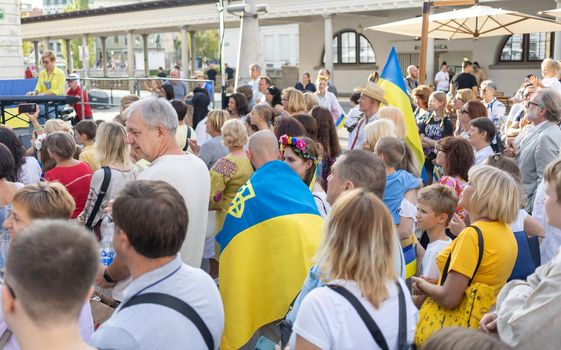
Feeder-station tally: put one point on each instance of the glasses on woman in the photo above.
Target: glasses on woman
(463, 110)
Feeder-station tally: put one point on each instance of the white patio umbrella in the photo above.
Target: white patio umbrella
(554, 12)
(473, 22)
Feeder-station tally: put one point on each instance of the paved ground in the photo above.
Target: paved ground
(110, 112)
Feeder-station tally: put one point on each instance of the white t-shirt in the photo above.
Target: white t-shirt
(552, 83)
(518, 225)
(352, 116)
(483, 154)
(428, 265)
(408, 210)
(322, 204)
(552, 240)
(200, 130)
(443, 79)
(30, 171)
(329, 321)
(189, 176)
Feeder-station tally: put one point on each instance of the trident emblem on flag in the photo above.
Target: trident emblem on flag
(238, 204)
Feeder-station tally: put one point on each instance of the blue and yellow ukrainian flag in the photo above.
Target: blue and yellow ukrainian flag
(340, 121)
(269, 237)
(391, 80)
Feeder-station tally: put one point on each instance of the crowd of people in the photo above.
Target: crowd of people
(251, 226)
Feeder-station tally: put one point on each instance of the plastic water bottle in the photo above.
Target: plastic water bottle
(107, 252)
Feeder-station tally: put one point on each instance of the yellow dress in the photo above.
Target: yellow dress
(226, 177)
(88, 156)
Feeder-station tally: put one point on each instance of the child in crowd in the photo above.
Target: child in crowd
(550, 69)
(435, 208)
(85, 136)
(391, 151)
(435, 127)
(399, 197)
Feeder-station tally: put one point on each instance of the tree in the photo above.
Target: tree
(207, 45)
(78, 5)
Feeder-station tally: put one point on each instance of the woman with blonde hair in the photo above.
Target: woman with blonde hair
(483, 254)
(356, 257)
(384, 127)
(229, 173)
(327, 99)
(116, 165)
(213, 149)
(293, 101)
(311, 100)
(262, 117)
(394, 114)
(376, 130)
(226, 177)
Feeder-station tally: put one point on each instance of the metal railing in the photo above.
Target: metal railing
(115, 88)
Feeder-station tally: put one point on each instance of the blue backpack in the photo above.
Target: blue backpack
(528, 258)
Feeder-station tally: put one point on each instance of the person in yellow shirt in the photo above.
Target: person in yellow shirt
(492, 199)
(51, 81)
(85, 135)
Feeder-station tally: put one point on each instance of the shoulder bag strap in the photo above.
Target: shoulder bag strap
(100, 196)
(187, 138)
(177, 305)
(368, 321)
(402, 332)
(481, 249)
(480, 257)
(5, 338)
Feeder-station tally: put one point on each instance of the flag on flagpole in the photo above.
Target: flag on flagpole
(392, 81)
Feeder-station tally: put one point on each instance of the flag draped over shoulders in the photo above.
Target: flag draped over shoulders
(269, 237)
(391, 80)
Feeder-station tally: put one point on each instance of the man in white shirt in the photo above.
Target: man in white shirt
(153, 313)
(442, 78)
(255, 74)
(151, 126)
(369, 103)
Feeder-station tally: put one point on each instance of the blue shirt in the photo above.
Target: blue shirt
(397, 184)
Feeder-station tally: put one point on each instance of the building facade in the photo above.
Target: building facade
(310, 34)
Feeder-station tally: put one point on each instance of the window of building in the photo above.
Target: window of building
(350, 47)
(527, 47)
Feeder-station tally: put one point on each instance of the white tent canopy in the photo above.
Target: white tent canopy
(473, 22)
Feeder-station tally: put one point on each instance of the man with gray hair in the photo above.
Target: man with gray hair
(542, 143)
(255, 74)
(495, 109)
(178, 86)
(151, 126)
